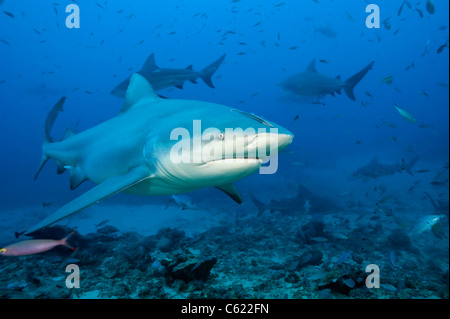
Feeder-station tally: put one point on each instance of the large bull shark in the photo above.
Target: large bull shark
(311, 83)
(139, 151)
(161, 78)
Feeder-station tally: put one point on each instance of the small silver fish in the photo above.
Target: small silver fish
(393, 259)
(104, 222)
(405, 114)
(424, 224)
(342, 258)
(339, 235)
(307, 206)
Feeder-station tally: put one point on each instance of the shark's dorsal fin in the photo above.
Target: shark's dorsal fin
(231, 191)
(189, 67)
(138, 89)
(312, 66)
(149, 65)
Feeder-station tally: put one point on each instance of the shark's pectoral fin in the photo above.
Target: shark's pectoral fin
(100, 192)
(231, 191)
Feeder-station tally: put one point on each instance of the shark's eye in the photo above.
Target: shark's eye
(217, 137)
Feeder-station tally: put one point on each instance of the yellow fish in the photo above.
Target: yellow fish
(406, 114)
(388, 80)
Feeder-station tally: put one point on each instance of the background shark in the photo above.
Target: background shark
(312, 83)
(327, 31)
(317, 204)
(132, 152)
(375, 169)
(163, 78)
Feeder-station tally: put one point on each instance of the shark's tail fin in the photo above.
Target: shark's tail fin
(354, 80)
(410, 165)
(51, 117)
(208, 71)
(259, 205)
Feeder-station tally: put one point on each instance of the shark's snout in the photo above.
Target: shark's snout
(284, 139)
(268, 144)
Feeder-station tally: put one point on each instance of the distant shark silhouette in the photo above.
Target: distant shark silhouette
(317, 204)
(327, 31)
(161, 78)
(132, 152)
(312, 83)
(375, 169)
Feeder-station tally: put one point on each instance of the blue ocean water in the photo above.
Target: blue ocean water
(41, 60)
